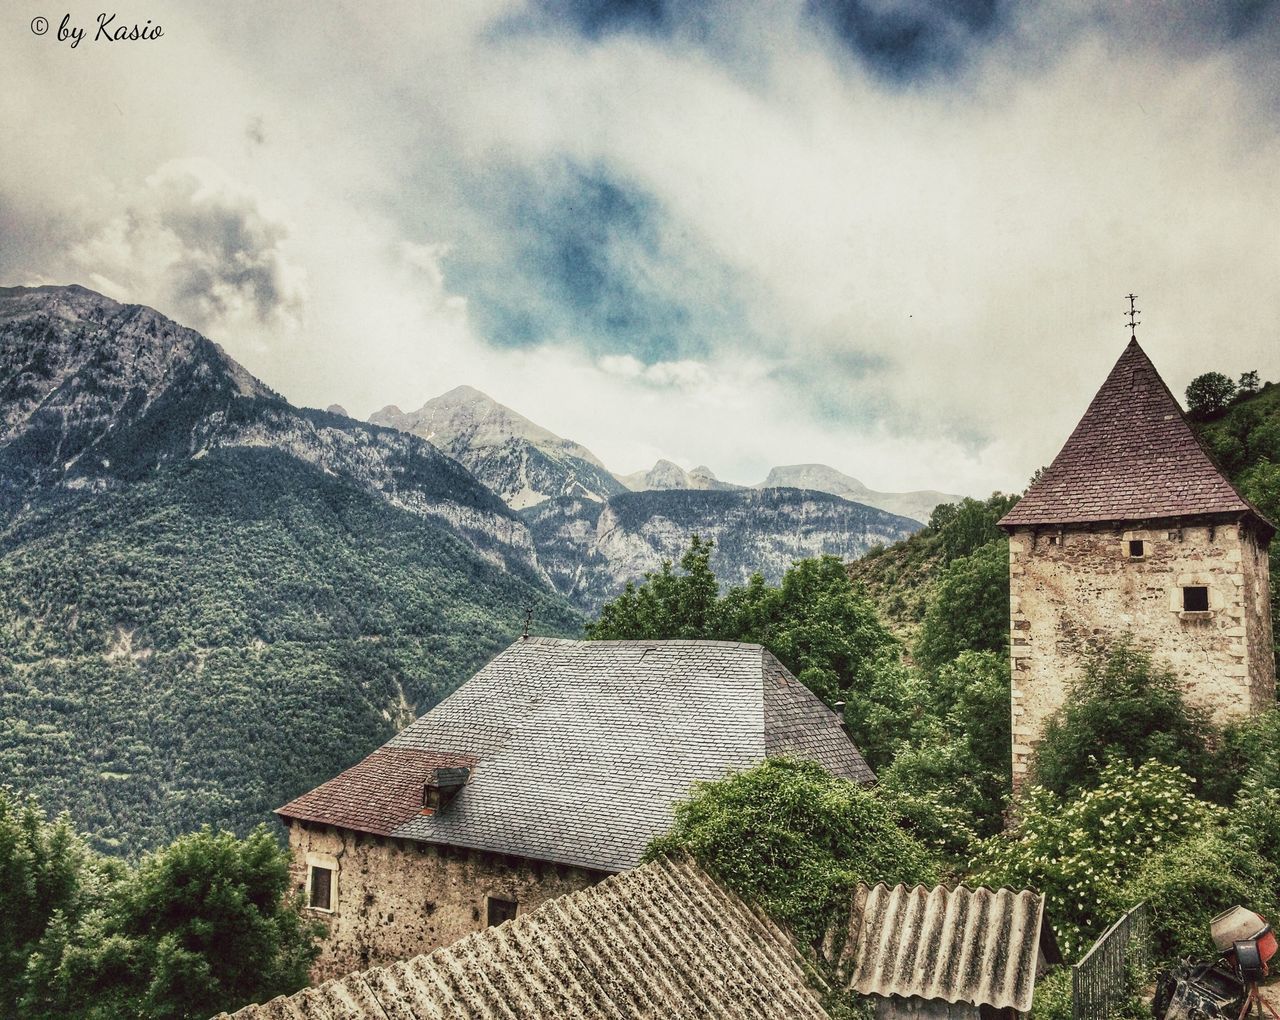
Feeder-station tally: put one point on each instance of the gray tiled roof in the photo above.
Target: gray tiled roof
(582, 748)
(664, 940)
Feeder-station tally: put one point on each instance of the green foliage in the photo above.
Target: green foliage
(665, 604)
(1187, 884)
(1084, 852)
(969, 609)
(951, 781)
(1123, 708)
(901, 579)
(205, 644)
(1209, 394)
(1053, 996)
(795, 840)
(197, 927)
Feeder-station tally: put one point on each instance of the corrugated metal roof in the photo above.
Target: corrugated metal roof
(664, 941)
(583, 748)
(961, 945)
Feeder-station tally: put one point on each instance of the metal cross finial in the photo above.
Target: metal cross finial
(528, 620)
(1134, 321)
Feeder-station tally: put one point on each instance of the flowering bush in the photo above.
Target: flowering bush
(1081, 852)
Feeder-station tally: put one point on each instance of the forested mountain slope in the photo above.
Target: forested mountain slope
(211, 600)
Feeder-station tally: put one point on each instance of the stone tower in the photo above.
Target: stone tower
(1134, 530)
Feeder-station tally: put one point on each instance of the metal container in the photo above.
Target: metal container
(1235, 925)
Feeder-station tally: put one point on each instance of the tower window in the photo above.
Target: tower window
(1195, 599)
(499, 910)
(1137, 549)
(321, 886)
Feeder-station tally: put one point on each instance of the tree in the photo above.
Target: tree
(1209, 394)
(200, 926)
(1123, 709)
(969, 610)
(1082, 851)
(665, 604)
(795, 840)
(1248, 384)
(963, 528)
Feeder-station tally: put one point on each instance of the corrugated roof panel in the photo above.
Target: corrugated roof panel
(979, 946)
(663, 941)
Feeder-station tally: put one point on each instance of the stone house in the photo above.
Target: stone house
(550, 769)
(664, 940)
(947, 954)
(1134, 530)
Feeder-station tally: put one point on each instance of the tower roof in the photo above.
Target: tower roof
(1134, 456)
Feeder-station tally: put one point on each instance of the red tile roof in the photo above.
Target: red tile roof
(377, 795)
(1134, 456)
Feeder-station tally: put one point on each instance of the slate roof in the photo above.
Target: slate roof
(1134, 456)
(580, 749)
(960, 945)
(662, 941)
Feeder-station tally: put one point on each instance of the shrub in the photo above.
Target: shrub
(1082, 852)
(1053, 996)
(1186, 885)
(1122, 709)
(795, 840)
(969, 610)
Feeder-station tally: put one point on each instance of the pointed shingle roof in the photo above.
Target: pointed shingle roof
(665, 940)
(580, 750)
(1134, 456)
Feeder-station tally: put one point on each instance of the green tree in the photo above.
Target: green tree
(200, 926)
(665, 604)
(965, 527)
(969, 610)
(1125, 709)
(1082, 852)
(795, 840)
(1248, 384)
(1209, 394)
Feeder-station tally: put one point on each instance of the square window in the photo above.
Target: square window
(319, 888)
(1195, 599)
(500, 910)
(1137, 549)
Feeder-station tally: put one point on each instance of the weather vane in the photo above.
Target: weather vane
(1134, 321)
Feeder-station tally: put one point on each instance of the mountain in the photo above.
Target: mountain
(917, 505)
(591, 549)
(211, 600)
(522, 462)
(94, 393)
(666, 475)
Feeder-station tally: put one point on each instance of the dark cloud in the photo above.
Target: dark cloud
(582, 256)
(906, 39)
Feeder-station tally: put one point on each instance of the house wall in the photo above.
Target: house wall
(1082, 591)
(397, 898)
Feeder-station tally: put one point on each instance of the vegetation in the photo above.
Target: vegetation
(902, 578)
(204, 644)
(1123, 708)
(1209, 394)
(197, 927)
(789, 836)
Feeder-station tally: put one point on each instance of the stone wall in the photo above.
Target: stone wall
(396, 898)
(1079, 589)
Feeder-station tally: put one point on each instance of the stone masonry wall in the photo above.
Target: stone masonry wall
(1079, 589)
(397, 898)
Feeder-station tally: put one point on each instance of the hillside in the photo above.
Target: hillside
(591, 550)
(521, 461)
(210, 599)
(666, 475)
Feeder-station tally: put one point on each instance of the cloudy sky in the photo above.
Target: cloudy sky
(889, 235)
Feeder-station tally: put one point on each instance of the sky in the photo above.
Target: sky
(892, 236)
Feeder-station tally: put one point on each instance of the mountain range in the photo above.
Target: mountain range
(211, 599)
(526, 464)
